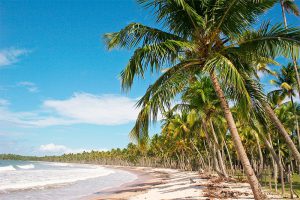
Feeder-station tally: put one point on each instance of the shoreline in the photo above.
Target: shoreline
(173, 184)
(150, 183)
(146, 179)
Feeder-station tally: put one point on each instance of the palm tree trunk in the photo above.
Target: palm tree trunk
(207, 155)
(282, 176)
(216, 163)
(283, 13)
(297, 75)
(272, 151)
(220, 158)
(276, 158)
(275, 175)
(200, 155)
(296, 119)
(255, 186)
(212, 147)
(228, 153)
(294, 60)
(282, 130)
(261, 158)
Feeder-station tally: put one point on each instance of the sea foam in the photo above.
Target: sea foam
(7, 168)
(30, 166)
(52, 181)
(41, 178)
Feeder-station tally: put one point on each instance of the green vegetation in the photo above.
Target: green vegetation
(215, 115)
(212, 40)
(269, 183)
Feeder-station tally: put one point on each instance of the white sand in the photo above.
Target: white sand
(170, 184)
(179, 186)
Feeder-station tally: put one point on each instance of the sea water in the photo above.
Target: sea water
(57, 181)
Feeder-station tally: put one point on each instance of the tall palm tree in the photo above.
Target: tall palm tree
(286, 82)
(290, 6)
(212, 37)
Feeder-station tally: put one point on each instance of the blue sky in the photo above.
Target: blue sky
(59, 86)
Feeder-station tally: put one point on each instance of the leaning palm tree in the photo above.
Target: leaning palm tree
(211, 37)
(290, 6)
(286, 83)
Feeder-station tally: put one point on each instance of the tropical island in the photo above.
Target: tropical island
(221, 130)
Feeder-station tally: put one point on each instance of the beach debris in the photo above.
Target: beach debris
(192, 181)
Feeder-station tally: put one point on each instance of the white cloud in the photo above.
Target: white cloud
(52, 148)
(61, 149)
(88, 108)
(81, 108)
(10, 56)
(31, 87)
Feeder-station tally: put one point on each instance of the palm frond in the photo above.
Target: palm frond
(286, 86)
(232, 17)
(179, 16)
(135, 34)
(270, 41)
(155, 56)
(275, 97)
(228, 72)
(160, 94)
(257, 97)
(141, 126)
(291, 7)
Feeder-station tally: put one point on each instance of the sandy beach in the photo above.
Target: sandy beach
(171, 184)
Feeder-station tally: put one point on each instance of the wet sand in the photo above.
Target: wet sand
(146, 179)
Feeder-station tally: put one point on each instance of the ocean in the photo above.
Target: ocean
(20, 180)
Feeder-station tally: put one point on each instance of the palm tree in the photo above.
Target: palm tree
(200, 95)
(212, 37)
(181, 129)
(286, 82)
(290, 6)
